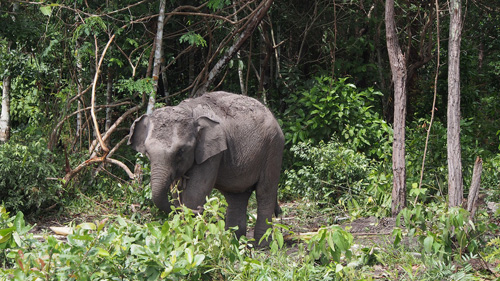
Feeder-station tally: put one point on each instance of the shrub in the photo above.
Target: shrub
(25, 172)
(330, 173)
(442, 232)
(325, 171)
(336, 108)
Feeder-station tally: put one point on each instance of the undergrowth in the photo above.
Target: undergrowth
(185, 247)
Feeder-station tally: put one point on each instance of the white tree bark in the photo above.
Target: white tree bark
(455, 181)
(398, 69)
(157, 59)
(5, 115)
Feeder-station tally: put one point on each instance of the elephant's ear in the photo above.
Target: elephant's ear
(138, 133)
(211, 139)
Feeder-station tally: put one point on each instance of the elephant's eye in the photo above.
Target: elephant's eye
(180, 152)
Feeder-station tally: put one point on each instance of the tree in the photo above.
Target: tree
(157, 57)
(398, 69)
(455, 182)
(5, 114)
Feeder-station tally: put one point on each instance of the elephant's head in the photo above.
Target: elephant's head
(174, 139)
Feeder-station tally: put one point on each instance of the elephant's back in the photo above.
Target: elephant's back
(233, 105)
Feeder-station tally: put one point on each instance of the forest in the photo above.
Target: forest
(390, 112)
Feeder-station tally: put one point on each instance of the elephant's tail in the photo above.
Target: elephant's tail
(277, 209)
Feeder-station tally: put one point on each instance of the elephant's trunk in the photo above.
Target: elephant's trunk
(160, 184)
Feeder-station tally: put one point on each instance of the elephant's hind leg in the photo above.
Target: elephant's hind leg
(236, 214)
(267, 191)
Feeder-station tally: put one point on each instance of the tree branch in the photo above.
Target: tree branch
(92, 102)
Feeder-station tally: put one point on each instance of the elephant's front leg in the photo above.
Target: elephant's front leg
(236, 214)
(200, 182)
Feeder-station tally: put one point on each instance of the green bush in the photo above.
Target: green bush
(331, 107)
(334, 175)
(26, 176)
(444, 234)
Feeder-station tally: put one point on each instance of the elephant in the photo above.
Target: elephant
(223, 140)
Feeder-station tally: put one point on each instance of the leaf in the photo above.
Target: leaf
(397, 234)
(340, 241)
(6, 237)
(198, 259)
(338, 268)
(189, 255)
(428, 242)
(78, 240)
(6, 231)
(17, 238)
(102, 252)
(19, 221)
(137, 250)
(87, 225)
(279, 238)
(46, 10)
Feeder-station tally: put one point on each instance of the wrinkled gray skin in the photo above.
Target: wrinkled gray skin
(222, 140)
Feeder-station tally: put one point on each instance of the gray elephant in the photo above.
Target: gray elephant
(222, 140)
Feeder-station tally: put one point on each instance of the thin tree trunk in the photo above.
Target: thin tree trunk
(191, 75)
(238, 59)
(157, 60)
(109, 100)
(474, 187)
(265, 56)
(455, 181)
(5, 114)
(165, 81)
(398, 69)
(79, 72)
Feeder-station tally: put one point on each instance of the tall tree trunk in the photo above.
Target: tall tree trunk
(164, 81)
(455, 182)
(265, 56)
(238, 59)
(5, 114)
(398, 69)
(157, 60)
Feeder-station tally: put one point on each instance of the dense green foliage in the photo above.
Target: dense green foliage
(185, 247)
(28, 176)
(328, 107)
(327, 171)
